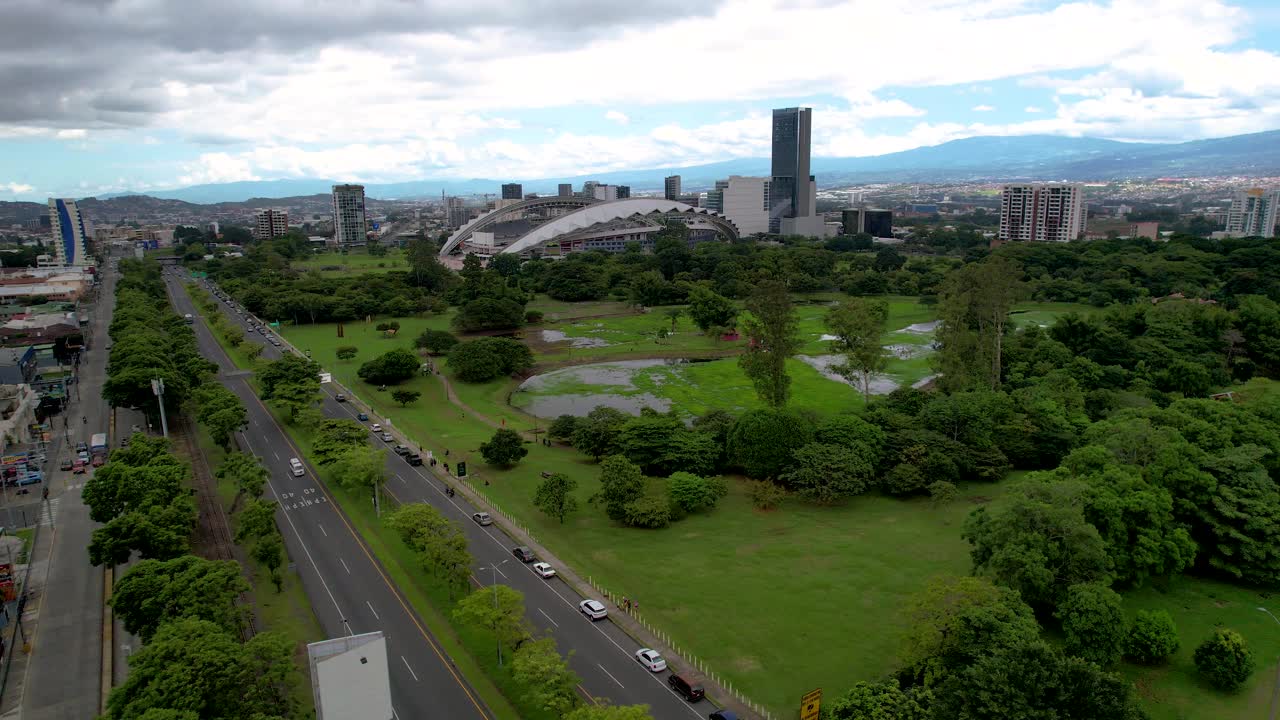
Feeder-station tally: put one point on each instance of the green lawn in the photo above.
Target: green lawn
(333, 263)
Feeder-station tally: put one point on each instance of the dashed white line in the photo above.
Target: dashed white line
(326, 532)
(406, 667)
(344, 565)
(611, 677)
(548, 617)
(375, 612)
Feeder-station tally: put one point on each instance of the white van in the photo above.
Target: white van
(295, 465)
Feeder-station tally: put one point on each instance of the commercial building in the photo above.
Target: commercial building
(270, 223)
(349, 227)
(602, 192)
(876, 223)
(456, 213)
(70, 233)
(565, 190)
(791, 186)
(512, 191)
(624, 192)
(744, 200)
(671, 187)
(1042, 213)
(1253, 213)
(1149, 230)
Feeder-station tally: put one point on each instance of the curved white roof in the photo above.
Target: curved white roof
(614, 210)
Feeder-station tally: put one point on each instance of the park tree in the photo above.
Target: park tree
(602, 710)
(694, 493)
(404, 397)
(1153, 637)
(488, 358)
(154, 592)
(563, 427)
(347, 352)
(391, 367)
(853, 433)
(549, 683)
(709, 310)
(661, 444)
(762, 441)
(648, 511)
(290, 369)
(974, 305)
(826, 473)
(772, 339)
(1093, 623)
(440, 543)
(597, 433)
(504, 449)
(554, 496)
(269, 552)
(426, 269)
(1225, 659)
(875, 701)
(857, 324)
(221, 412)
(620, 485)
(362, 468)
(500, 611)
(249, 681)
(436, 342)
(489, 313)
(296, 399)
(332, 437)
(246, 473)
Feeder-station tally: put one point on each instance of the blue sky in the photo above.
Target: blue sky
(149, 94)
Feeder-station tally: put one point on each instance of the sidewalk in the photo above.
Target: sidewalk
(38, 568)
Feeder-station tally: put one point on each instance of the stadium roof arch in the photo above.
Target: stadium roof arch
(591, 212)
(483, 222)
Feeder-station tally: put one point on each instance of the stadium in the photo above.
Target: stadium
(557, 226)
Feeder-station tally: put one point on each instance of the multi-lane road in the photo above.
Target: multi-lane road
(352, 593)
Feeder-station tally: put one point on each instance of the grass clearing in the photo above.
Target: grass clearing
(335, 264)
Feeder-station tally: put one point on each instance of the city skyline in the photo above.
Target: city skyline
(84, 118)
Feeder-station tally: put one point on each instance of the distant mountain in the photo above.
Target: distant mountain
(1028, 157)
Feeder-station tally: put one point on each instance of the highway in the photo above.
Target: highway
(603, 655)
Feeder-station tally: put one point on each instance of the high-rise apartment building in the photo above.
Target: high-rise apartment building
(348, 215)
(601, 192)
(565, 190)
(671, 187)
(456, 213)
(589, 188)
(791, 186)
(270, 223)
(70, 233)
(512, 191)
(624, 192)
(744, 200)
(1042, 213)
(1254, 212)
(876, 223)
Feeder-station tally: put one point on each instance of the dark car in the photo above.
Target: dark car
(340, 397)
(686, 688)
(400, 450)
(66, 464)
(524, 553)
(723, 715)
(414, 459)
(362, 417)
(82, 447)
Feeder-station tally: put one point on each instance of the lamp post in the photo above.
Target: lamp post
(1275, 688)
(494, 567)
(157, 387)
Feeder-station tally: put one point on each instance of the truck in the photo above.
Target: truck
(98, 449)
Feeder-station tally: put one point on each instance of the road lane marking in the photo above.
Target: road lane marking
(375, 612)
(406, 667)
(273, 452)
(326, 533)
(548, 617)
(611, 677)
(344, 565)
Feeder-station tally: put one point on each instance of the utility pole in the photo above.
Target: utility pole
(494, 567)
(157, 387)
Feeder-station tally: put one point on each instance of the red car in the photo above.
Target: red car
(79, 467)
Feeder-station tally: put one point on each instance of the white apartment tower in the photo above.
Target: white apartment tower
(1042, 213)
(744, 200)
(348, 214)
(270, 223)
(1254, 212)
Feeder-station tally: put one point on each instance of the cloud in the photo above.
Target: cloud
(983, 108)
(1032, 109)
(617, 117)
(17, 188)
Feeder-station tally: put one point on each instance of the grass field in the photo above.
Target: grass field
(333, 264)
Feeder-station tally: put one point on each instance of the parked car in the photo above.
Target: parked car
(686, 688)
(82, 447)
(651, 660)
(31, 478)
(544, 570)
(362, 417)
(593, 609)
(375, 427)
(386, 437)
(482, 518)
(79, 467)
(400, 450)
(523, 553)
(340, 397)
(723, 715)
(65, 464)
(414, 459)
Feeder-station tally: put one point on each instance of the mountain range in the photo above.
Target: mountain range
(1028, 157)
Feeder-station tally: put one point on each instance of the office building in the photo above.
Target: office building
(270, 223)
(1042, 213)
(566, 190)
(1149, 230)
(791, 186)
(589, 188)
(348, 215)
(671, 187)
(744, 200)
(70, 233)
(624, 192)
(601, 192)
(1253, 213)
(512, 191)
(456, 213)
(876, 223)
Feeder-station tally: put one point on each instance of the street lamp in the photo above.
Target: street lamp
(1275, 688)
(495, 567)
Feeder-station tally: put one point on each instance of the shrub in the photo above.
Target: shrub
(435, 342)
(943, 493)
(903, 479)
(762, 441)
(1152, 637)
(390, 367)
(765, 495)
(692, 493)
(562, 427)
(1225, 659)
(533, 316)
(1093, 623)
(487, 358)
(648, 512)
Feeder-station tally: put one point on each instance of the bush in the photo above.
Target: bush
(562, 427)
(692, 493)
(1093, 623)
(1152, 637)
(762, 441)
(533, 316)
(436, 342)
(489, 314)
(390, 367)
(1225, 659)
(648, 512)
(765, 495)
(943, 493)
(488, 358)
(904, 479)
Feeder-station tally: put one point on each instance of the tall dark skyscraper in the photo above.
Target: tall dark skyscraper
(512, 191)
(790, 194)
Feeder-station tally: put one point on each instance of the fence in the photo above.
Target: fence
(692, 660)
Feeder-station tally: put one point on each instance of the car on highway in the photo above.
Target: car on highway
(65, 464)
(523, 553)
(593, 609)
(295, 466)
(544, 570)
(275, 342)
(413, 459)
(340, 397)
(400, 450)
(362, 417)
(79, 467)
(375, 427)
(652, 661)
(135, 428)
(386, 437)
(482, 518)
(723, 715)
(686, 688)
(82, 447)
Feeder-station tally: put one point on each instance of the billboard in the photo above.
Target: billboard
(350, 679)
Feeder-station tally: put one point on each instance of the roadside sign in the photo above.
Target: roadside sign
(809, 704)
(326, 377)
(462, 469)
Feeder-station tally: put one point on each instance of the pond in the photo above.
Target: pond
(577, 390)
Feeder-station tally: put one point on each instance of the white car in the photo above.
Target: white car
(593, 609)
(651, 660)
(386, 437)
(376, 427)
(295, 465)
(544, 569)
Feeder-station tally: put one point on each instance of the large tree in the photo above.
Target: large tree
(333, 437)
(440, 543)
(246, 473)
(761, 441)
(154, 592)
(857, 324)
(620, 484)
(362, 468)
(827, 473)
(499, 609)
(711, 310)
(554, 496)
(391, 367)
(974, 307)
(549, 683)
(505, 448)
(772, 339)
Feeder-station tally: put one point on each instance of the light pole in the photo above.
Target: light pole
(494, 568)
(157, 387)
(1275, 688)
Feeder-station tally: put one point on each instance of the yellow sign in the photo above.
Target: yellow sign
(809, 704)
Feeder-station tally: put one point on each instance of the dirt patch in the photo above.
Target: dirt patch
(748, 549)
(747, 664)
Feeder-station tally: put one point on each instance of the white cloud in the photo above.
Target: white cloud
(1033, 109)
(13, 188)
(983, 108)
(72, 134)
(618, 117)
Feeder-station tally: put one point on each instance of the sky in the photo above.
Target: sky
(100, 96)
